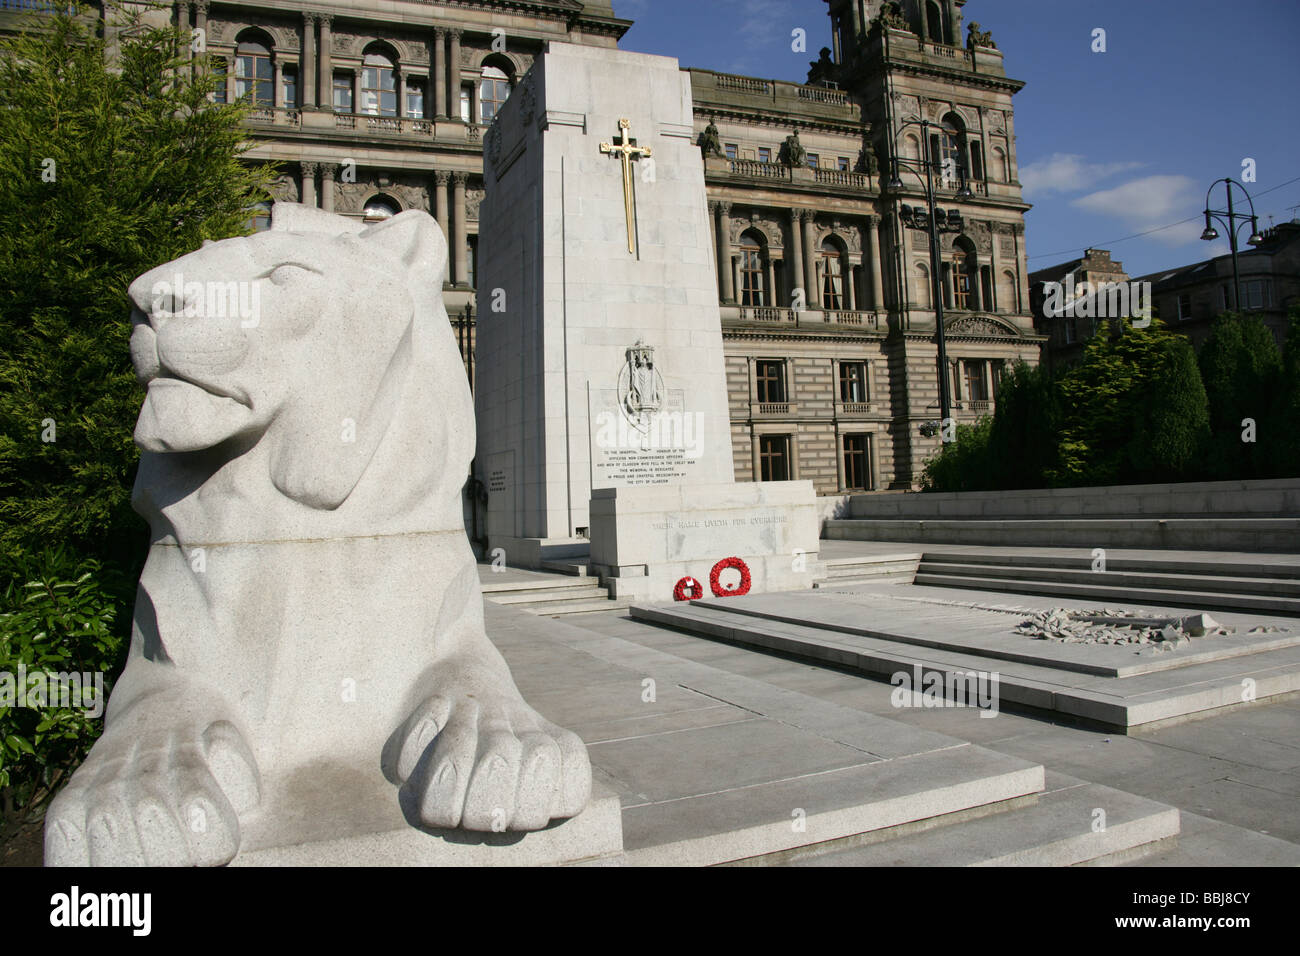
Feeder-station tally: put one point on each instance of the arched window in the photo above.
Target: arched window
(948, 147)
(922, 292)
(378, 85)
(911, 147)
(832, 275)
(379, 208)
(493, 90)
(753, 268)
(1008, 293)
(934, 22)
(964, 274)
(253, 74)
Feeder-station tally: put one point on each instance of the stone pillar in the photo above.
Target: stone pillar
(770, 298)
(307, 79)
(850, 286)
(277, 84)
(726, 283)
(873, 255)
(309, 183)
(440, 205)
(954, 23)
(326, 59)
(183, 22)
(460, 245)
(328, 172)
(796, 250)
(201, 18)
(949, 298)
(438, 73)
(401, 93)
(994, 268)
(453, 74)
(810, 262)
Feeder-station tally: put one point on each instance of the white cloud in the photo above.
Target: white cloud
(1150, 202)
(1067, 173)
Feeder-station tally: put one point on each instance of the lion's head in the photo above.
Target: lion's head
(300, 336)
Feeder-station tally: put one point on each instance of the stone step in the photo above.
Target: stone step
(575, 607)
(578, 568)
(1062, 829)
(1171, 562)
(1119, 595)
(540, 584)
(1200, 583)
(548, 595)
(752, 824)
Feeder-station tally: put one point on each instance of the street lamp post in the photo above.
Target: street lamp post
(928, 164)
(1231, 224)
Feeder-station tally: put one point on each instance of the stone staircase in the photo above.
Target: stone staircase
(1071, 823)
(1180, 580)
(553, 594)
(900, 567)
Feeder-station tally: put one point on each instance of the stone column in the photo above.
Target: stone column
(277, 84)
(307, 81)
(356, 90)
(183, 24)
(994, 268)
(440, 205)
(201, 18)
(949, 297)
(438, 73)
(460, 246)
(796, 250)
(726, 284)
(850, 284)
(309, 183)
(453, 74)
(873, 254)
(954, 23)
(401, 93)
(328, 172)
(326, 59)
(810, 262)
(770, 298)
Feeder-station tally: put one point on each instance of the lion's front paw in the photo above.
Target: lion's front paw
(169, 797)
(490, 762)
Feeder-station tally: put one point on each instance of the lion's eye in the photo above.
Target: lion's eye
(282, 275)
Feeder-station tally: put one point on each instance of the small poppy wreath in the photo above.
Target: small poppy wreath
(688, 589)
(745, 581)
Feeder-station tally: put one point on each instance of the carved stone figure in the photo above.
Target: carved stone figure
(792, 152)
(710, 140)
(309, 622)
(823, 69)
(891, 15)
(977, 37)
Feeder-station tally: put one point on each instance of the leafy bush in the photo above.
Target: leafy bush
(1026, 425)
(962, 464)
(57, 616)
(1240, 366)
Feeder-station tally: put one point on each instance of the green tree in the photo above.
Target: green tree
(109, 166)
(1171, 432)
(1282, 442)
(1026, 426)
(964, 463)
(1240, 366)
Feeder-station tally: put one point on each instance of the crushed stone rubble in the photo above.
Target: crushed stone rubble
(1124, 626)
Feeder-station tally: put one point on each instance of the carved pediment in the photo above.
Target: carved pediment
(979, 325)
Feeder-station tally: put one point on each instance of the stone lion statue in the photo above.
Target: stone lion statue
(309, 622)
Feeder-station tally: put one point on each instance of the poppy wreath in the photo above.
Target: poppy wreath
(688, 589)
(745, 581)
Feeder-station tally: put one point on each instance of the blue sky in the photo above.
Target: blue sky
(1110, 144)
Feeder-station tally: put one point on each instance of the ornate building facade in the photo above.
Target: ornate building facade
(371, 107)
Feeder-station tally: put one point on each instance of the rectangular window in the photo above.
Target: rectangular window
(466, 115)
(219, 79)
(842, 164)
(774, 457)
(253, 79)
(769, 376)
(471, 260)
(977, 389)
(289, 87)
(1257, 293)
(814, 161)
(1071, 330)
(764, 154)
(1184, 306)
(342, 92)
(976, 160)
(855, 463)
(415, 99)
(853, 381)
(733, 151)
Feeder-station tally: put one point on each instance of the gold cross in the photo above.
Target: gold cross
(627, 152)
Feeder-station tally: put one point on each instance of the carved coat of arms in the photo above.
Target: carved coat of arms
(640, 386)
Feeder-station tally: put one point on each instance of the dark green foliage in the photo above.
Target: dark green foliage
(1170, 434)
(144, 170)
(57, 616)
(1241, 368)
(1282, 444)
(962, 464)
(1022, 445)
